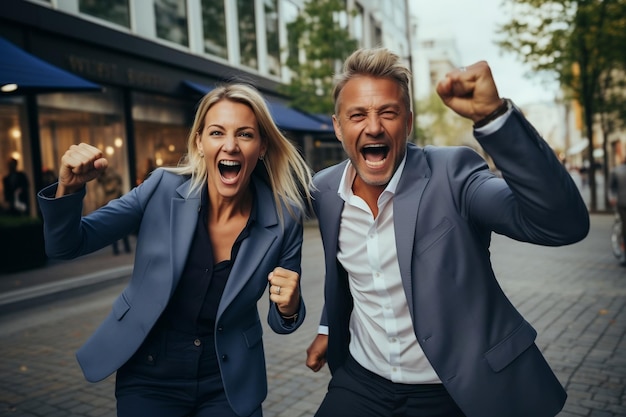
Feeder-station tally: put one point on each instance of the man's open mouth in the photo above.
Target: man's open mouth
(375, 154)
(229, 169)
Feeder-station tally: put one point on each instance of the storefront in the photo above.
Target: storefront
(139, 112)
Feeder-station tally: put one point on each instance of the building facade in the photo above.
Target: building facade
(152, 60)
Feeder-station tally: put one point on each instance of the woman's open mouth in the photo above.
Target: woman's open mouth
(229, 170)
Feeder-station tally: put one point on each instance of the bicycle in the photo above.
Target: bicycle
(617, 239)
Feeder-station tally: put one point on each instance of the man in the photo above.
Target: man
(618, 198)
(417, 324)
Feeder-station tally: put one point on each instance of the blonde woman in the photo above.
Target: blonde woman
(185, 334)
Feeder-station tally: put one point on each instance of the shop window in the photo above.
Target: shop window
(114, 11)
(15, 151)
(95, 118)
(171, 21)
(247, 33)
(214, 25)
(161, 131)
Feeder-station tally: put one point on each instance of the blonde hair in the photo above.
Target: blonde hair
(377, 63)
(288, 174)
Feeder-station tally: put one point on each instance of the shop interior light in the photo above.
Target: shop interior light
(8, 88)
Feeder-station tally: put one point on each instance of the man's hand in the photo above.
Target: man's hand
(470, 91)
(79, 165)
(316, 353)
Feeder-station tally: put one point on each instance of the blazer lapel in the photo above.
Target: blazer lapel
(329, 207)
(405, 207)
(254, 247)
(184, 219)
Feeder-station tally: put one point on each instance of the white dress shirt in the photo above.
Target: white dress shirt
(382, 336)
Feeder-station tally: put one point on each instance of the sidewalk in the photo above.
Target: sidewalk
(574, 296)
(58, 277)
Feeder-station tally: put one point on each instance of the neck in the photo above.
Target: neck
(225, 209)
(369, 193)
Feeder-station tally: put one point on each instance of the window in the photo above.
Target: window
(14, 145)
(358, 24)
(273, 40)
(114, 11)
(214, 25)
(247, 33)
(96, 118)
(171, 21)
(161, 131)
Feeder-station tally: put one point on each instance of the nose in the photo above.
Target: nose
(231, 143)
(373, 126)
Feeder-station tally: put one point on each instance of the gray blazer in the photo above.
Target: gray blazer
(445, 208)
(165, 218)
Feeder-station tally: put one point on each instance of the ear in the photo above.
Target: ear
(337, 128)
(198, 141)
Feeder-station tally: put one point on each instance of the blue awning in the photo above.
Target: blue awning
(21, 72)
(285, 117)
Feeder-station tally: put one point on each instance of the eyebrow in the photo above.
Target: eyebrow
(395, 106)
(222, 127)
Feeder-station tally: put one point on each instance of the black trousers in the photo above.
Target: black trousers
(354, 391)
(171, 376)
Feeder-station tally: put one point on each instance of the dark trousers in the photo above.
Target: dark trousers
(171, 376)
(354, 391)
(125, 241)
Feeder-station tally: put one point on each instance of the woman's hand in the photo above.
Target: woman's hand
(79, 165)
(285, 290)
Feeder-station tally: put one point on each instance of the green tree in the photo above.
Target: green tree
(581, 43)
(318, 45)
(438, 125)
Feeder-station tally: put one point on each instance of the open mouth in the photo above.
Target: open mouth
(229, 169)
(375, 154)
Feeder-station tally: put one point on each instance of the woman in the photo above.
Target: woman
(185, 335)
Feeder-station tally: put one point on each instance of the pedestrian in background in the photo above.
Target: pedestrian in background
(111, 183)
(16, 190)
(617, 188)
(185, 336)
(414, 322)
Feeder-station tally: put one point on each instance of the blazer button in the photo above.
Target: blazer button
(225, 358)
(197, 342)
(220, 329)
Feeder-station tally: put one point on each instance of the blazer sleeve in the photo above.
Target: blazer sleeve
(290, 258)
(68, 234)
(536, 199)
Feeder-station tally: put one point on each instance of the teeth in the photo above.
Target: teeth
(230, 163)
(375, 145)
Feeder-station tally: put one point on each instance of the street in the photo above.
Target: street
(574, 296)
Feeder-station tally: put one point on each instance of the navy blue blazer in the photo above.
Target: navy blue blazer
(165, 218)
(446, 206)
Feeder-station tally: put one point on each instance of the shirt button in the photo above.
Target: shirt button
(197, 342)
(150, 358)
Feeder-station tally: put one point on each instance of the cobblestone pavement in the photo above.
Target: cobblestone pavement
(574, 296)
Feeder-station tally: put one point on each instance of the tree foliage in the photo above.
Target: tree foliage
(438, 125)
(581, 43)
(318, 45)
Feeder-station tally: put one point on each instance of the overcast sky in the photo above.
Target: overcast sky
(473, 25)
